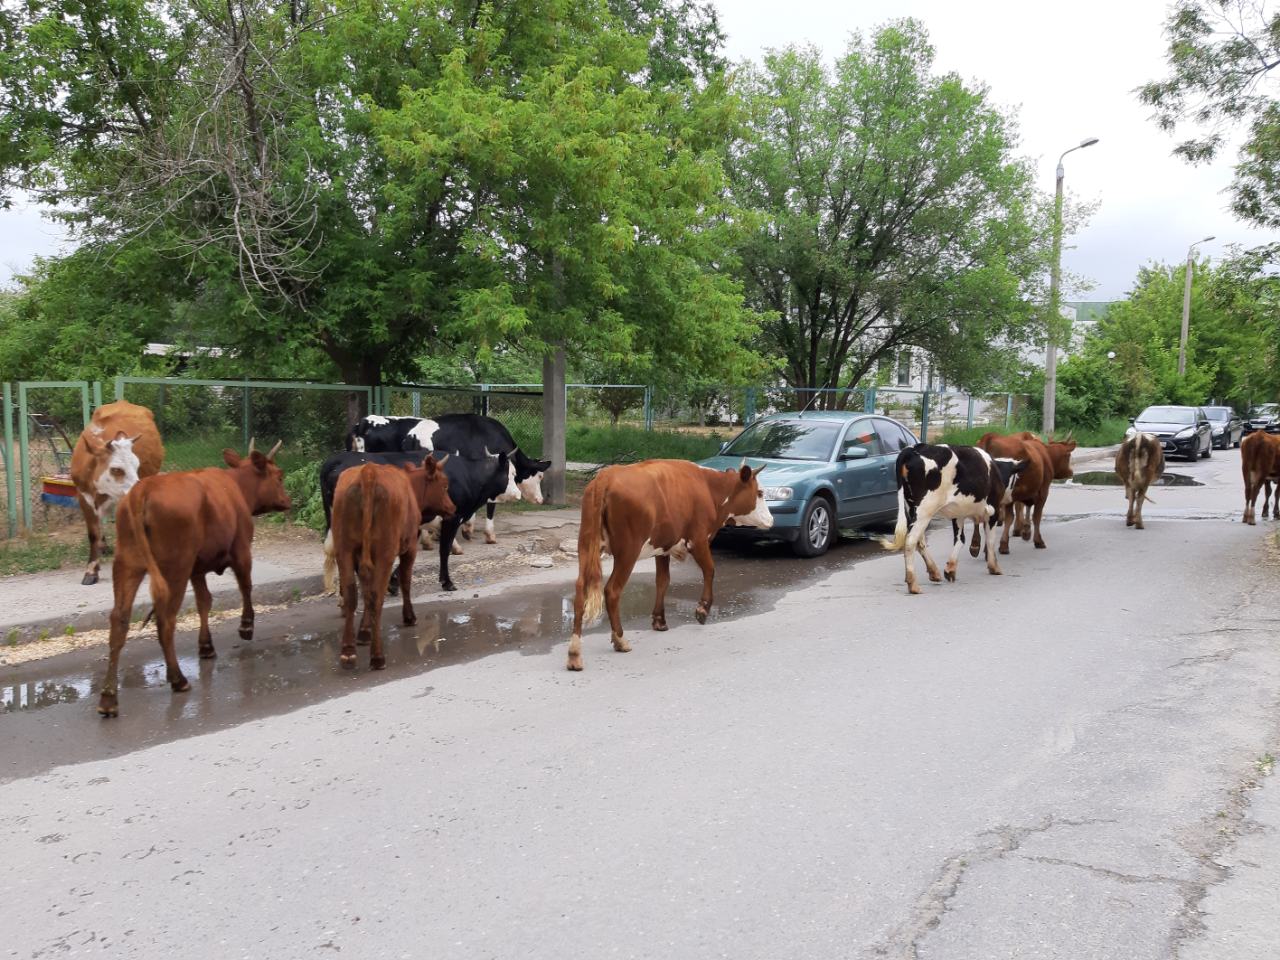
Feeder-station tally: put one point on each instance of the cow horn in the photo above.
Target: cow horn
(743, 463)
(251, 444)
(443, 460)
(272, 454)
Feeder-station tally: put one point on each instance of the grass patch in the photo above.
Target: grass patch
(596, 444)
(36, 553)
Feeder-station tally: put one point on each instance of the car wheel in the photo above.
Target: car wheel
(817, 527)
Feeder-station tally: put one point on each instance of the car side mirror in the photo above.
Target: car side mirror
(1133, 419)
(855, 453)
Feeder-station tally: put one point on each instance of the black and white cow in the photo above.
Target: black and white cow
(959, 483)
(468, 434)
(487, 477)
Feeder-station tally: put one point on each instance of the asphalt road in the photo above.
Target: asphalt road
(1064, 762)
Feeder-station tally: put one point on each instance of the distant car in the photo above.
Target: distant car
(1228, 428)
(1265, 417)
(824, 471)
(1184, 431)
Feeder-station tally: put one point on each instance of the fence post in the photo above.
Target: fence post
(749, 407)
(648, 408)
(84, 405)
(119, 388)
(417, 403)
(869, 400)
(24, 455)
(244, 416)
(11, 496)
(484, 398)
(969, 419)
(97, 396)
(924, 418)
(1008, 410)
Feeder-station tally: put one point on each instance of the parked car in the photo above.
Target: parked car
(824, 471)
(1228, 427)
(1264, 416)
(1184, 431)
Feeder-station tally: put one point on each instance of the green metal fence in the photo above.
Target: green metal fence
(51, 414)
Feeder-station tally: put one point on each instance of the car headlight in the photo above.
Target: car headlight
(1184, 433)
(778, 493)
(1130, 432)
(1219, 431)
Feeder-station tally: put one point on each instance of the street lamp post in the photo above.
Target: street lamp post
(1051, 346)
(1186, 307)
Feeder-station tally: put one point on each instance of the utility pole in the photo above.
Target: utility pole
(1055, 313)
(1186, 307)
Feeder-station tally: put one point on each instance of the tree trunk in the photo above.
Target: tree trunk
(554, 416)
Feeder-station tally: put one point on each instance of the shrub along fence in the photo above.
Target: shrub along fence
(607, 423)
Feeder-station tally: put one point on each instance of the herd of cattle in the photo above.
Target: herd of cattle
(399, 475)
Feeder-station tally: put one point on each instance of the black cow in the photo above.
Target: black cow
(959, 483)
(468, 434)
(472, 482)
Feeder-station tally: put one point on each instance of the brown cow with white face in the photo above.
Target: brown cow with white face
(120, 446)
(1139, 463)
(1260, 465)
(660, 509)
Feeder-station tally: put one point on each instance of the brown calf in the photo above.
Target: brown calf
(1139, 463)
(1260, 464)
(660, 509)
(120, 446)
(1046, 462)
(377, 509)
(183, 526)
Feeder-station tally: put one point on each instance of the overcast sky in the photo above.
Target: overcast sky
(1069, 70)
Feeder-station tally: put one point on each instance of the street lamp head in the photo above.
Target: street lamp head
(1089, 143)
(1207, 239)
(1111, 354)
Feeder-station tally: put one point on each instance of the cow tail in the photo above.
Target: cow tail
(159, 587)
(368, 491)
(590, 542)
(899, 539)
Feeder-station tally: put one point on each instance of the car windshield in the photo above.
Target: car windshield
(1168, 415)
(1219, 413)
(786, 440)
(1263, 410)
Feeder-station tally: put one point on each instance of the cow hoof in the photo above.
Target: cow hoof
(410, 620)
(701, 614)
(1128, 522)
(348, 660)
(995, 571)
(660, 624)
(951, 576)
(377, 663)
(89, 580)
(912, 589)
(208, 653)
(393, 589)
(181, 685)
(465, 530)
(574, 662)
(935, 577)
(108, 550)
(1004, 548)
(490, 538)
(108, 706)
(1026, 535)
(1039, 544)
(621, 645)
(974, 551)
(1139, 526)
(364, 638)
(448, 585)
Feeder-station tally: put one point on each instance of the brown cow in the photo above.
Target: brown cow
(1139, 463)
(660, 509)
(1046, 462)
(183, 526)
(105, 470)
(1260, 464)
(377, 509)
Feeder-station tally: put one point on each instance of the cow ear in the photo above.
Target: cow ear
(93, 442)
(231, 458)
(259, 461)
(744, 472)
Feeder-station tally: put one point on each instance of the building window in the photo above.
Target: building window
(904, 368)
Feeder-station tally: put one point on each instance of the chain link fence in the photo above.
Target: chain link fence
(518, 407)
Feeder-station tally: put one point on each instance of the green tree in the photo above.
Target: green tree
(1220, 55)
(892, 212)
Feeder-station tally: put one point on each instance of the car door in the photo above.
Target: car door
(1205, 430)
(859, 480)
(895, 439)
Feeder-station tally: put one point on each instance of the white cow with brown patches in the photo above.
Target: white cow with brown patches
(120, 446)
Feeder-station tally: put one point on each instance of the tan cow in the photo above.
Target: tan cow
(1139, 463)
(120, 446)
(377, 509)
(660, 509)
(1260, 464)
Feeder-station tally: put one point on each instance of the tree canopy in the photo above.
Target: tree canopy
(1221, 54)
(892, 212)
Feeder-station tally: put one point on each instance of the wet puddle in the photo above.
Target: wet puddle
(48, 707)
(1109, 479)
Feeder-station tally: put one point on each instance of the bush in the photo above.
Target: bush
(302, 483)
(588, 444)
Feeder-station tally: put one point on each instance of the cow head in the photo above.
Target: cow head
(1008, 470)
(529, 476)
(431, 488)
(507, 466)
(259, 479)
(115, 465)
(746, 504)
(1060, 455)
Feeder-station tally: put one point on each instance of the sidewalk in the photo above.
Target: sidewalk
(284, 569)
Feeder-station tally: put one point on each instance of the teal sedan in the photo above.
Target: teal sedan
(824, 471)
